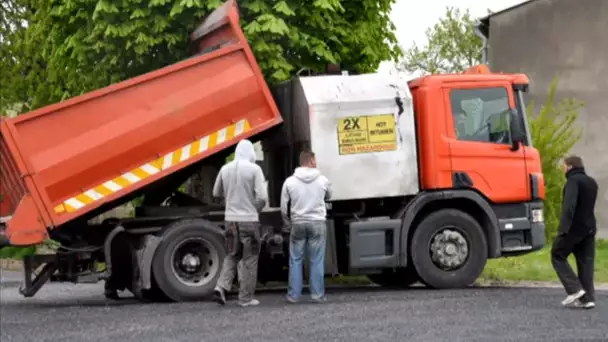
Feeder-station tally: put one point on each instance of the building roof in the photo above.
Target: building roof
(485, 21)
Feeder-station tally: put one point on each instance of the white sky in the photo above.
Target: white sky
(412, 18)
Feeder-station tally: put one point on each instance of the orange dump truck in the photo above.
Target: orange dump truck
(431, 177)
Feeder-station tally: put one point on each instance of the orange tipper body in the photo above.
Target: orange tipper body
(62, 161)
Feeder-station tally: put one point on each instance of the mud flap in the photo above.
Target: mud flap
(144, 260)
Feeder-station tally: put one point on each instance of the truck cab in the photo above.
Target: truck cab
(473, 134)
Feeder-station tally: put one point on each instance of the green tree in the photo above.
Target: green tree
(451, 46)
(70, 47)
(11, 30)
(554, 133)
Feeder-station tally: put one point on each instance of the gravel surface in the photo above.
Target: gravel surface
(80, 313)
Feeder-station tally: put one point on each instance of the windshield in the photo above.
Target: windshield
(481, 114)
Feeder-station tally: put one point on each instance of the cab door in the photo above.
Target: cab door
(479, 137)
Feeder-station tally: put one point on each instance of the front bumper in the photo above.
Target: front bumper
(521, 235)
(537, 235)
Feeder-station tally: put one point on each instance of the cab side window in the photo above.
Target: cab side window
(481, 114)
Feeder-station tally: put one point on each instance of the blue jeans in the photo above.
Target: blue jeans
(310, 236)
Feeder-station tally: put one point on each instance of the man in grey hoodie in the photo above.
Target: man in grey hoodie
(241, 183)
(303, 207)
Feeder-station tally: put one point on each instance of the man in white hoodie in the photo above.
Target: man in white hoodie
(303, 208)
(241, 183)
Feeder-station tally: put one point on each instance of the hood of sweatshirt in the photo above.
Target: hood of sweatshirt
(245, 151)
(306, 174)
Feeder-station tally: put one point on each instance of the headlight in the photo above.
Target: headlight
(537, 215)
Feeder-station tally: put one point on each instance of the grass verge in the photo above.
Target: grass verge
(537, 267)
(16, 252)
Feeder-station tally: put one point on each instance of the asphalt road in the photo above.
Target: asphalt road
(79, 313)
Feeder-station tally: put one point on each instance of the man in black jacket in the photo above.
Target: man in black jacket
(577, 228)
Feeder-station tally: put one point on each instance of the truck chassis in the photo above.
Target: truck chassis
(176, 252)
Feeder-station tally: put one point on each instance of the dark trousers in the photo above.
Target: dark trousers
(583, 248)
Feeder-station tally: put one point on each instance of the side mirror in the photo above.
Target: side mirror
(516, 129)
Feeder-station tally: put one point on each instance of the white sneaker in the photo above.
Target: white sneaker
(573, 297)
(292, 300)
(219, 296)
(252, 302)
(581, 305)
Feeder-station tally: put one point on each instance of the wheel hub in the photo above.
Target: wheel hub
(191, 262)
(195, 262)
(449, 249)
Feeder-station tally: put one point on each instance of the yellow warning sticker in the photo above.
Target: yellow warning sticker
(368, 133)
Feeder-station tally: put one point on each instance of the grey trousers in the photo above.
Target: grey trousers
(243, 239)
(583, 248)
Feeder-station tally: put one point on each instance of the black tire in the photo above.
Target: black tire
(430, 273)
(166, 271)
(400, 278)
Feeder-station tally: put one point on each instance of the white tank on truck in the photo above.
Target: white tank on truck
(363, 133)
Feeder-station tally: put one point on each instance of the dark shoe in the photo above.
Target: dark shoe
(111, 294)
(219, 296)
(319, 300)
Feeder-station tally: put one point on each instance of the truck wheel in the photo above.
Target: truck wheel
(402, 277)
(189, 259)
(449, 249)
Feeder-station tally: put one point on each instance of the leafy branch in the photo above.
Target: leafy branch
(451, 46)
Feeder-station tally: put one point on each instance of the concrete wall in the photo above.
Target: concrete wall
(569, 38)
